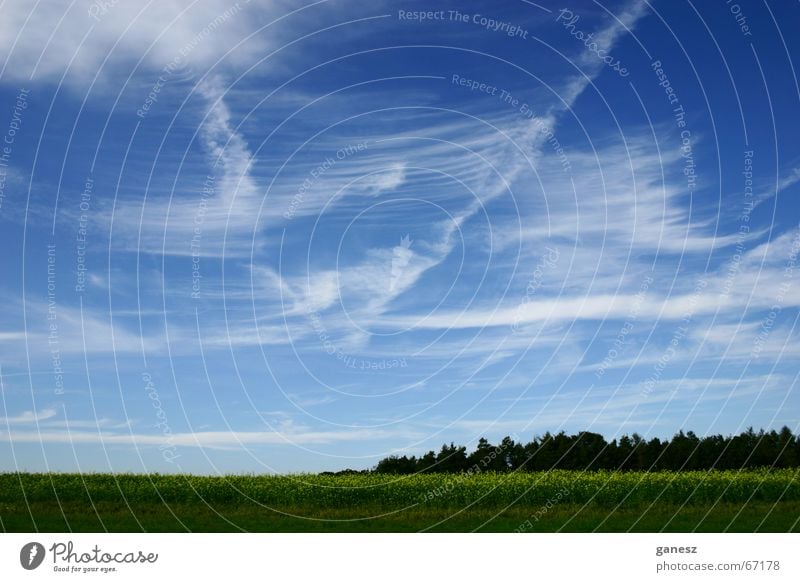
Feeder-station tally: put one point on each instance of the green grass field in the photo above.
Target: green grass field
(747, 501)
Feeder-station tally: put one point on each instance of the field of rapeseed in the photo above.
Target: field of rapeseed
(402, 491)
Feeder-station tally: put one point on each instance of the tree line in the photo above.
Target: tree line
(590, 451)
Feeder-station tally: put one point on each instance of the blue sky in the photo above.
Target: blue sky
(273, 237)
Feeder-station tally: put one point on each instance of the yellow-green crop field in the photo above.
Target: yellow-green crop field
(758, 500)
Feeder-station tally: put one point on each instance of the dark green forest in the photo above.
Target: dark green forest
(590, 451)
